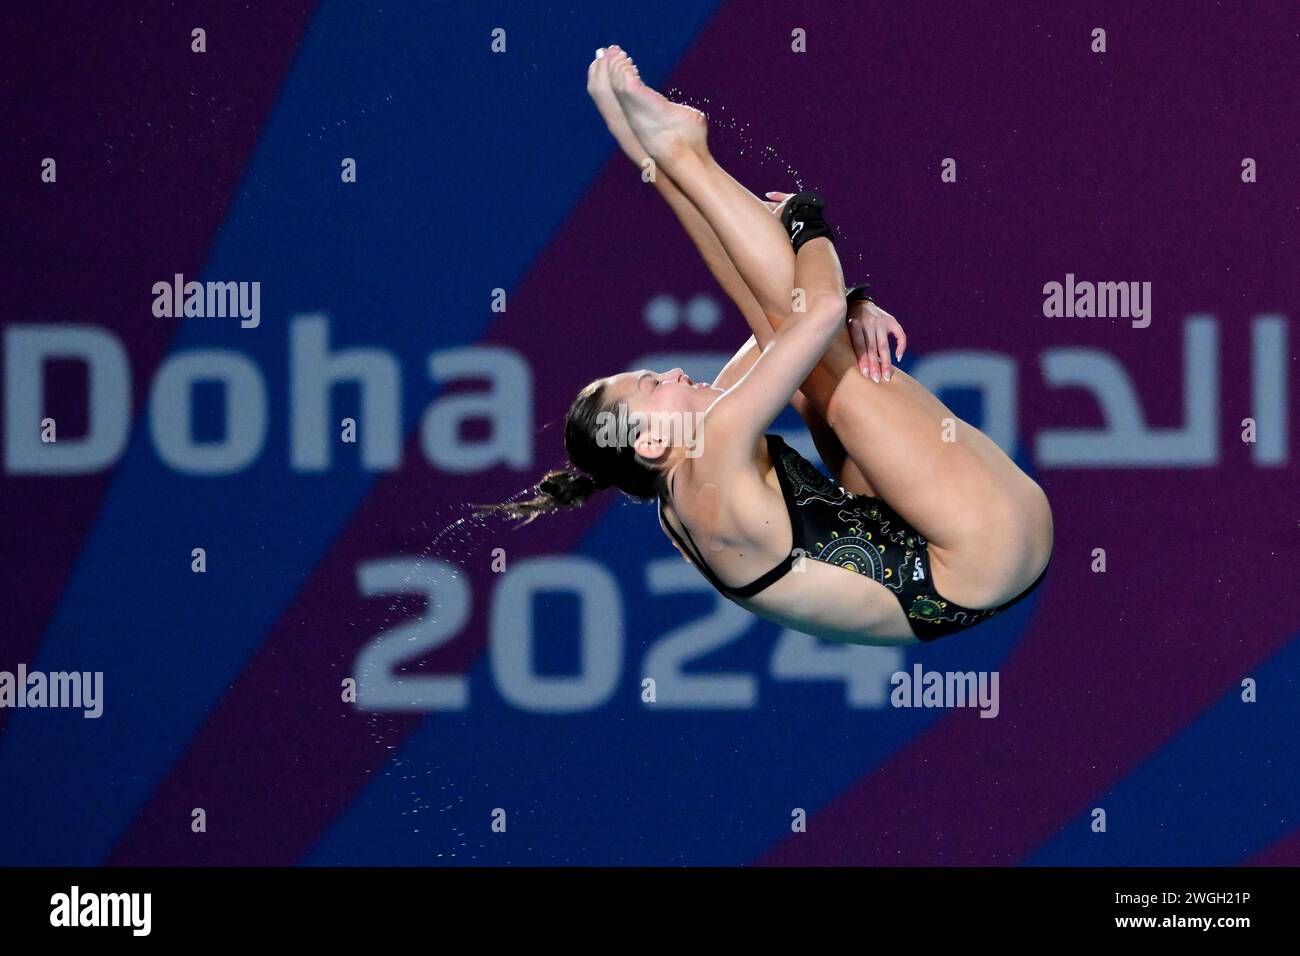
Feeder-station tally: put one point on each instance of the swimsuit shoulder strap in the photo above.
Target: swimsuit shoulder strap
(688, 545)
(690, 549)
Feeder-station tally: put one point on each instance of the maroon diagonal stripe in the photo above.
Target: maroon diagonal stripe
(144, 179)
(1285, 852)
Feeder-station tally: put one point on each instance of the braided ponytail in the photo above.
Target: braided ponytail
(560, 488)
(596, 465)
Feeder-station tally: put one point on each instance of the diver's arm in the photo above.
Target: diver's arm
(749, 407)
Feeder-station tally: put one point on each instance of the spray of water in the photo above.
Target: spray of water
(720, 118)
(456, 543)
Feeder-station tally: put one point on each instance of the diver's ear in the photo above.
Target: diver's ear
(649, 447)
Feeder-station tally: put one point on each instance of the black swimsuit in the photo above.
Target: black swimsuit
(859, 533)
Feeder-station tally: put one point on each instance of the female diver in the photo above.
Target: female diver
(928, 527)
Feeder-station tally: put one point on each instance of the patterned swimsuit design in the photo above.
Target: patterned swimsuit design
(861, 534)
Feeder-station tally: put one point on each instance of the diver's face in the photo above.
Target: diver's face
(666, 397)
(648, 392)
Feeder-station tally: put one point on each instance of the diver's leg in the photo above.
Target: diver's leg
(988, 523)
(780, 268)
(675, 138)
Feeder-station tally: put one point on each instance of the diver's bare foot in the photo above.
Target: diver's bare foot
(602, 94)
(664, 128)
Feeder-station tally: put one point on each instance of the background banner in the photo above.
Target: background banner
(360, 189)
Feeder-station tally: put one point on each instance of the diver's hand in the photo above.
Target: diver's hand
(777, 202)
(870, 327)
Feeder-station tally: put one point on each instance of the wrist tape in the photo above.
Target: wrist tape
(804, 220)
(857, 294)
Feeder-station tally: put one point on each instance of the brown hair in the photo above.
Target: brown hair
(597, 465)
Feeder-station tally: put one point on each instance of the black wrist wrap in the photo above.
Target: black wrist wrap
(857, 294)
